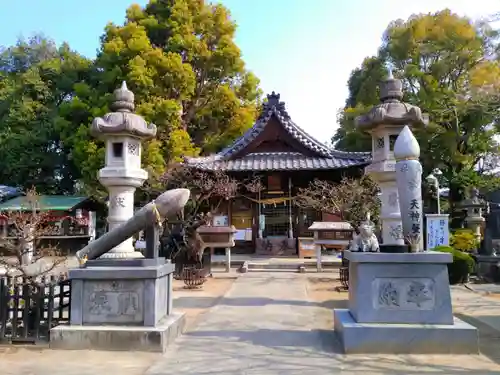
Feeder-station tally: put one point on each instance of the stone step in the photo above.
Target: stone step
(290, 265)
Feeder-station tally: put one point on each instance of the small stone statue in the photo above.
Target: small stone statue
(366, 241)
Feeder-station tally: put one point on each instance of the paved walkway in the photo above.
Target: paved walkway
(267, 324)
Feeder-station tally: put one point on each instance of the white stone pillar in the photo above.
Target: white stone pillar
(390, 214)
(409, 179)
(121, 209)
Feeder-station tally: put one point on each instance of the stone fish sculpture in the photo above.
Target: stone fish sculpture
(365, 241)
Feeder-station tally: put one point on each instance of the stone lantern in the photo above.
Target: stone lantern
(122, 131)
(384, 122)
(474, 207)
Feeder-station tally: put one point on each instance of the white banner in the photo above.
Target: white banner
(438, 232)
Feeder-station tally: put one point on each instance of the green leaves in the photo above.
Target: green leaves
(445, 64)
(178, 57)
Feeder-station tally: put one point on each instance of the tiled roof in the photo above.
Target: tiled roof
(44, 202)
(277, 108)
(274, 161)
(327, 158)
(7, 192)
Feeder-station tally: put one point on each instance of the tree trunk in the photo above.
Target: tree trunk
(457, 215)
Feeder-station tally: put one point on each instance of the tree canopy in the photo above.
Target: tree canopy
(177, 56)
(450, 68)
(36, 79)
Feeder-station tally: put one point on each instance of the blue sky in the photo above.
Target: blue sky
(303, 49)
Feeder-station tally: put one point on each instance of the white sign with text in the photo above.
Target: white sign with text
(438, 232)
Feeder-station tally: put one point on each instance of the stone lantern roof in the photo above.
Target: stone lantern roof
(473, 201)
(392, 110)
(122, 121)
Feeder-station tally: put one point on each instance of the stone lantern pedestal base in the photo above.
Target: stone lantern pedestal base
(401, 303)
(120, 308)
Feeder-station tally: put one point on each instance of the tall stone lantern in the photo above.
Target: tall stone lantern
(122, 131)
(384, 122)
(474, 207)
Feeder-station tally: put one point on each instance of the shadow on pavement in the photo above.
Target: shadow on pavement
(489, 338)
(207, 302)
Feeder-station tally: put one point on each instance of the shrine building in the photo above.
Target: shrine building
(286, 158)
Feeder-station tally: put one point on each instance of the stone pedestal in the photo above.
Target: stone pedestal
(401, 303)
(488, 267)
(120, 308)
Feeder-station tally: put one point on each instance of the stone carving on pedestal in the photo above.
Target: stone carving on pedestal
(396, 232)
(392, 200)
(403, 293)
(365, 241)
(388, 295)
(418, 293)
(115, 303)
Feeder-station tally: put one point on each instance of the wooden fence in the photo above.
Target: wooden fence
(29, 310)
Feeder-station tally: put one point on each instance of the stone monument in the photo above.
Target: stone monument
(122, 132)
(400, 303)
(409, 180)
(123, 301)
(124, 304)
(384, 122)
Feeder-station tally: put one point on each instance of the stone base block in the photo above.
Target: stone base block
(119, 338)
(370, 338)
(409, 288)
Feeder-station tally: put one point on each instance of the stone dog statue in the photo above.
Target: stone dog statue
(365, 241)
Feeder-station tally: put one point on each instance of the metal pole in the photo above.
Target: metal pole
(438, 200)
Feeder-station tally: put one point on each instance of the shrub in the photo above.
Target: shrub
(464, 240)
(462, 266)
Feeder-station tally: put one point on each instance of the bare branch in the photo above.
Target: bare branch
(352, 199)
(23, 254)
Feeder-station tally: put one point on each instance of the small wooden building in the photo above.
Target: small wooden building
(70, 220)
(286, 158)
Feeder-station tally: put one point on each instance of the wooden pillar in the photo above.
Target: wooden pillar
(258, 215)
(228, 259)
(319, 266)
(290, 219)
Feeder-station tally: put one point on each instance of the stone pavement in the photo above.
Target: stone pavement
(267, 324)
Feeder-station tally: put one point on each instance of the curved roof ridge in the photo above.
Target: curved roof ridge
(276, 107)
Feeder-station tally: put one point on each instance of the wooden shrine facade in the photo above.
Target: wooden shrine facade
(286, 158)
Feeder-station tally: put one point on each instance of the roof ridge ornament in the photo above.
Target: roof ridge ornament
(273, 99)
